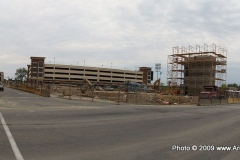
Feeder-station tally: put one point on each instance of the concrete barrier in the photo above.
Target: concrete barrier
(224, 101)
(216, 101)
(233, 100)
(45, 93)
(204, 102)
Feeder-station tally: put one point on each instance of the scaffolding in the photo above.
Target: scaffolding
(194, 67)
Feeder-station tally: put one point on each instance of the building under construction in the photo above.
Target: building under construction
(194, 67)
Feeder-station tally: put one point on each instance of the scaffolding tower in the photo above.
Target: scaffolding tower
(194, 67)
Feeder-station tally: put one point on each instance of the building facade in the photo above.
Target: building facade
(38, 70)
(147, 74)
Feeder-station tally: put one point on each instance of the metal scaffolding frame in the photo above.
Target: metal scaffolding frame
(194, 67)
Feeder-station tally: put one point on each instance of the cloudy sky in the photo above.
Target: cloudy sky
(126, 34)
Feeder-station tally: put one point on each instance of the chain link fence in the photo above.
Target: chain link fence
(101, 93)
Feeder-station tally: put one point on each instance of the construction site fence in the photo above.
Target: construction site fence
(31, 88)
(234, 99)
(118, 95)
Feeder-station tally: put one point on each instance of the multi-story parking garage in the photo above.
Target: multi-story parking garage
(38, 70)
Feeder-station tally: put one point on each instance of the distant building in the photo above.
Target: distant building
(40, 71)
(1, 76)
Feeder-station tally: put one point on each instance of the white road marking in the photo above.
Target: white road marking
(15, 149)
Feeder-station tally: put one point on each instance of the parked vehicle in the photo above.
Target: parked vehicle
(1, 86)
(108, 88)
(98, 88)
(212, 95)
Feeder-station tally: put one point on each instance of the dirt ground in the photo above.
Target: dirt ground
(128, 97)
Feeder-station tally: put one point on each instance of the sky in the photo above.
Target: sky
(121, 34)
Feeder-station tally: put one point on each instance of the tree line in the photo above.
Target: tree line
(231, 85)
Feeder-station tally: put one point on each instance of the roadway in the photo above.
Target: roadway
(60, 129)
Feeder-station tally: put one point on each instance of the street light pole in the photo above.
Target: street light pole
(158, 69)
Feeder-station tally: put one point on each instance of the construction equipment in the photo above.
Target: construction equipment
(156, 84)
(212, 95)
(85, 87)
(86, 80)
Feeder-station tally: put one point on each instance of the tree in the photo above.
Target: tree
(233, 85)
(21, 74)
(224, 86)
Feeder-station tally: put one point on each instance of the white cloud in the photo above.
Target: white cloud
(124, 33)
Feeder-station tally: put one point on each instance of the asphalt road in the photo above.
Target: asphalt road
(60, 129)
